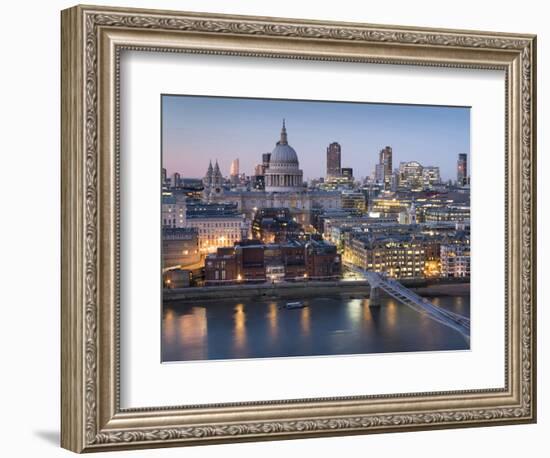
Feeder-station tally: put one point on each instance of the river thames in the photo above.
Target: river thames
(257, 328)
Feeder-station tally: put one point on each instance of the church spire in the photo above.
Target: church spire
(284, 139)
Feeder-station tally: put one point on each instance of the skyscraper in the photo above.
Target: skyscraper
(462, 169)
(379, 173)
(176, 178)
(234, 171)
(385, 159)
(334, 159)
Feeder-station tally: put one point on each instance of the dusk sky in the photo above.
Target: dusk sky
(197, 129)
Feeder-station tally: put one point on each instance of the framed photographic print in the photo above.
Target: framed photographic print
(278, 228)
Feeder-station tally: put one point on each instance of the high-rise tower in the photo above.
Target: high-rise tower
(386, 162)
(462, 169)
(334, 160)
(234, 171)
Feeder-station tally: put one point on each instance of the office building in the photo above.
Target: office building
(411, 175)
(430, 176)
(462, 170)
(180, 247)
(455, 259)
(334, 159)
(386, 161)
(234, 172)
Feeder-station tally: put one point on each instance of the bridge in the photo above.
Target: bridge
(407, 297)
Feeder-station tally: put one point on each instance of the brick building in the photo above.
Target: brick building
(253, 261)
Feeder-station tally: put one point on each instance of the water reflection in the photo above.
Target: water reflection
(391, 310)
(368, 321)
(331, 325)
(169, 327)
(305, 321)
(354, 312)
(240, 329)
(272, 319)
(187, 328)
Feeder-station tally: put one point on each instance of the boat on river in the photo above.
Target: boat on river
(293, 305)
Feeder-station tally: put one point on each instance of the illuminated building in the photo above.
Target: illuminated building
(218, 225)
(386, 161)
(176, 278)
(275, 225)
(449, 213)
(410, 175)
(390, 205)
(354, 200)
(348, 173)
(462, 170)
(455, 259)
(255, 262)
(281, 185)
(431, 176)
(180, 247)
(397, 256)
(173, 210)
(334, 160)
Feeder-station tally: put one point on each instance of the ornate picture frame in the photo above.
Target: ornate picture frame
(92, 41)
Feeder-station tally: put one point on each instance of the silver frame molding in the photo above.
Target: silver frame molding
(92, 40)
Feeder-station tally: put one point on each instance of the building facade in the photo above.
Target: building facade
(411, 175)
(173, 210)
(176, 177)
(234, 172)
(255, 262)
(396, 256)
(275, 225)
(455, 259)
(180, 247)
(386, 161)
(354, 200)
(216, 228)
(334, 159)
(456, 213)
(431, 176)
(462, 169)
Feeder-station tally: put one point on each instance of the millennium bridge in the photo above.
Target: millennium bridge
(407, 297)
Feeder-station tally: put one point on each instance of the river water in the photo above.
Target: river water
(256, 328)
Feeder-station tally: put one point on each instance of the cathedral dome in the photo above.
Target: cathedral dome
(283, 173)
(283, 153)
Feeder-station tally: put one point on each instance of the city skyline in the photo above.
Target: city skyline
(225, 129)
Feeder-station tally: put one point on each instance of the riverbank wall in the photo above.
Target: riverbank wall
(357, 289)
(348, 289)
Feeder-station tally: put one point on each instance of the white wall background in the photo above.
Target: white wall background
(29, 229)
